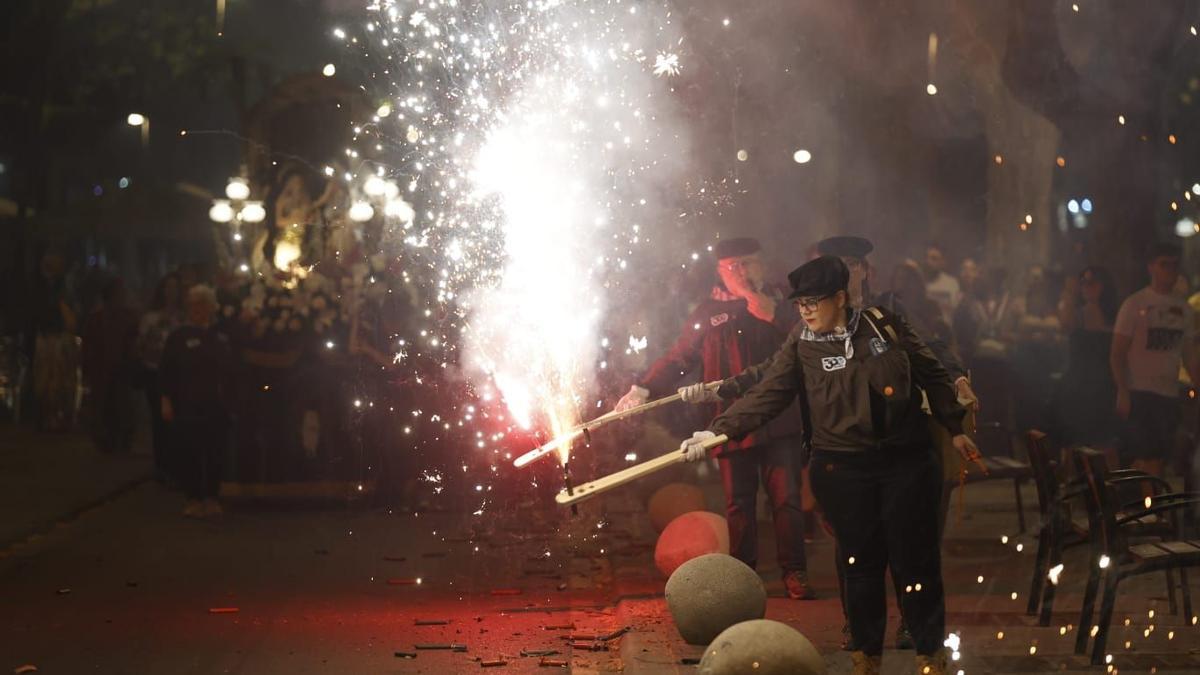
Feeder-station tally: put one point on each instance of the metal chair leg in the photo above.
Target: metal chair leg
(1106, 611)
(1172, 605)
(1048, 597)
(1040, 566)
(1048, 589)
(1187, 594)
(1020, 506)
(1089, 604)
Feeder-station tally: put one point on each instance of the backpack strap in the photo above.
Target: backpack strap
(873, 314)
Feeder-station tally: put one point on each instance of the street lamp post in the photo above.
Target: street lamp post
(140, 120)
(235, 209)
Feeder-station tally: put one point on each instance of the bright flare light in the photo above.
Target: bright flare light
(530, 142)
(532, 132)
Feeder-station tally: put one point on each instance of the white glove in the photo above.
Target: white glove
(693, 447)
(634, 398)
(699, 393)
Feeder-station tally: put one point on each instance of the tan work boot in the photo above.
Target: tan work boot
(932, 665)
(861, 664)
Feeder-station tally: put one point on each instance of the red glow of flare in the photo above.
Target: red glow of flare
(562, 421)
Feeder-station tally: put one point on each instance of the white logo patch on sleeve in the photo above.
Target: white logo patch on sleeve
(718, 319)
(832, 363)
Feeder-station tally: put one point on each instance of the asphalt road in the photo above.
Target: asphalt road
(131, 587)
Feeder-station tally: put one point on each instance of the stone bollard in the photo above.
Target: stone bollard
(689, 536)
(762, 647)
(710, 593)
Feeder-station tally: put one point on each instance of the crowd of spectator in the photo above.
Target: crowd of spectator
(90, 359)
(1068, 354)
(1062, 352)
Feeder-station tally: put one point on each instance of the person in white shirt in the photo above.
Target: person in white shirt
(1153, 332)
(939, 286)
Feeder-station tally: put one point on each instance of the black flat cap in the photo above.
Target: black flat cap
(819, 277)
(738, 246)
(845, 247)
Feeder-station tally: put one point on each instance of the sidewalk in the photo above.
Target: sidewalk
(987, 582)
(47, 478)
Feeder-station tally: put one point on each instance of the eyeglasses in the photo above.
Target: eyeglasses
(810, 304)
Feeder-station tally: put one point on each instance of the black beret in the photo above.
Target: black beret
(845, 247)
(818, 277)
(733, 248)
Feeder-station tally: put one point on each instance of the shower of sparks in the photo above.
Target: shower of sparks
(666, 64)
(637, 344)
(1054, 573)
(533, 141)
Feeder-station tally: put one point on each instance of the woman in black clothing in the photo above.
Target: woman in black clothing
(1086, 312)
(860, 375)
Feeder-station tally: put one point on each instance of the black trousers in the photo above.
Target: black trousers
(777, 464)
(1150, 431)
(199, 448)
(883, 507)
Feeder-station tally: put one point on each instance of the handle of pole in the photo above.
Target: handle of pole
(604, 484)
(611, 416)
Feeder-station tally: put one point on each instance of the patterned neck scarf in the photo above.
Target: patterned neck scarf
(838, 334)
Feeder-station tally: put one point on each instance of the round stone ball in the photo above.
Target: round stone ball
(689, 536)
(708, 594)
(671, 501)
(762, 647)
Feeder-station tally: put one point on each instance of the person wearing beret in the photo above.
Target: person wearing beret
(742, 323)
(860, 377)
(853, 251)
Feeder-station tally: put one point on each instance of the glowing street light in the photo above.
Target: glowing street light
(237, 189)
(139, 120)
(221, 211)
(375, 187)
(253, 212)
(361, 212)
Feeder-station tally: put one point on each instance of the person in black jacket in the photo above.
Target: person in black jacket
(860, 375)
(194, 374)
(853, 252)
(742, 324)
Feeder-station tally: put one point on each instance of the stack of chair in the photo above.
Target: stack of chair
(1138, 537)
